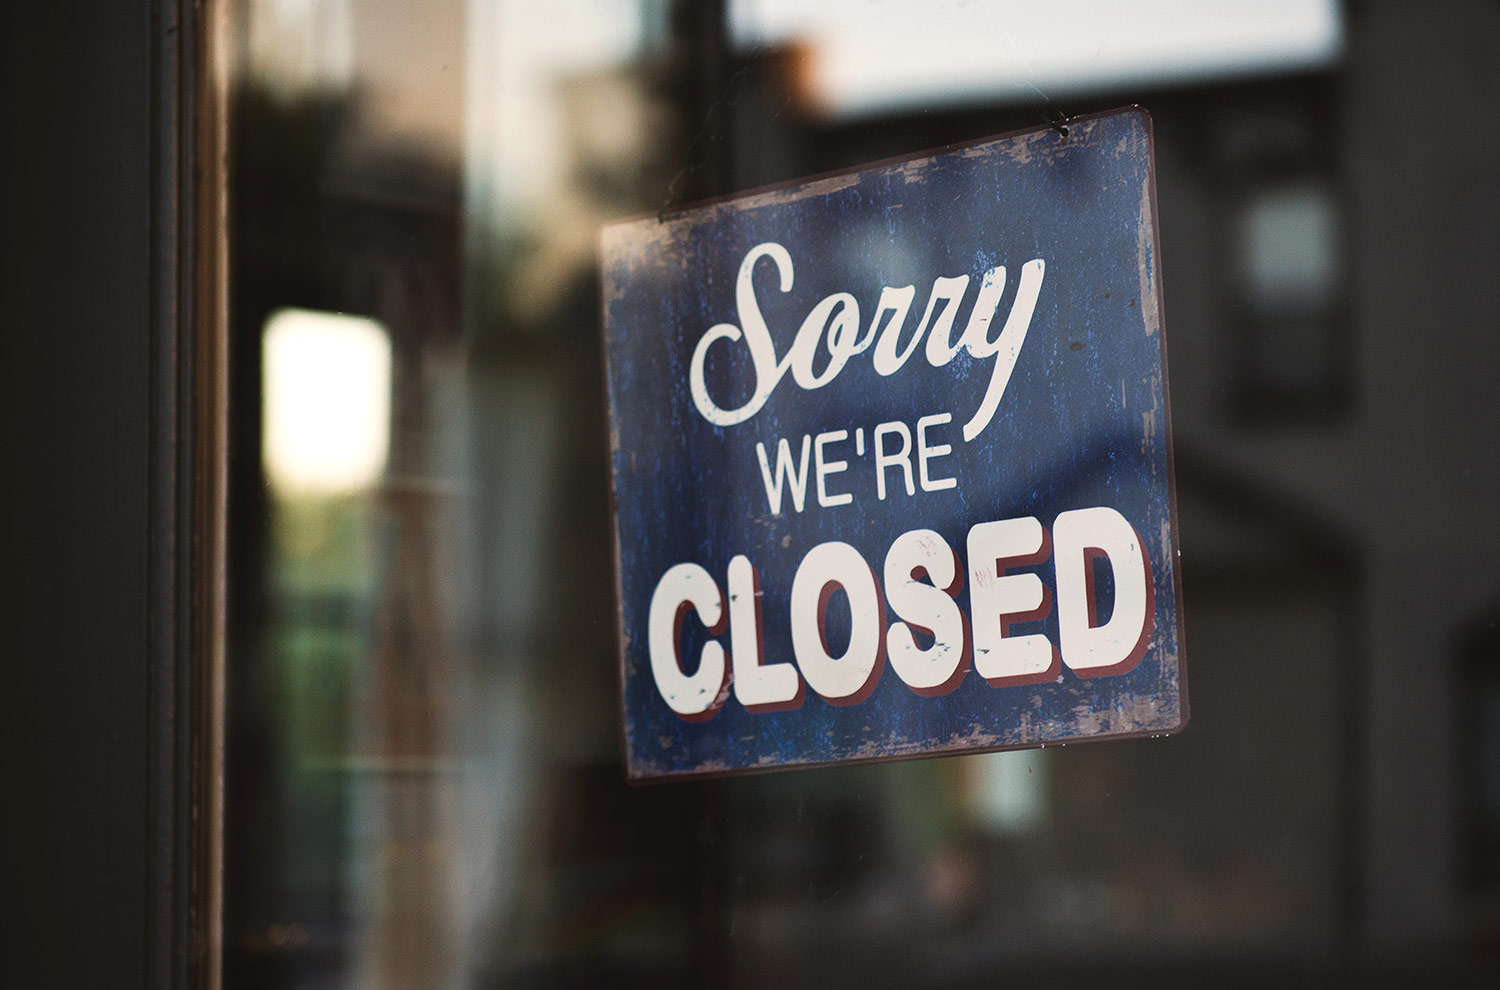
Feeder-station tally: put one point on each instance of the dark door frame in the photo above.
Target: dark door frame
(111, 385)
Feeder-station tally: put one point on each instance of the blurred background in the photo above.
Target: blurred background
(424, 769)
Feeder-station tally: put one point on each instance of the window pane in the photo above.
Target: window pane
(425, 780)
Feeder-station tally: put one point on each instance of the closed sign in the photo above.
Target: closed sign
(891, 460)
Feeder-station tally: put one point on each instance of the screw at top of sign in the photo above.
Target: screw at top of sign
(1057, 120)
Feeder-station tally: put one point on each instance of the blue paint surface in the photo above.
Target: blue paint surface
(1083, 422)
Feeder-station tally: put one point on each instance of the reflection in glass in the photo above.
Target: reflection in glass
(1009, 791)
(425, 783)
(966, 53)
(327, 402)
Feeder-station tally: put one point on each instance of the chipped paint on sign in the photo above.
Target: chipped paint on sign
(884, 446)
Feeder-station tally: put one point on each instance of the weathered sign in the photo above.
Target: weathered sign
(892, 463)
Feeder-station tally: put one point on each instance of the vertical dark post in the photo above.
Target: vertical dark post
(701, 86)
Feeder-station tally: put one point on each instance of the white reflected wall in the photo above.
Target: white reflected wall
(871, 56)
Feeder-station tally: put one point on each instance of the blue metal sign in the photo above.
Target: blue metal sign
(892, 462)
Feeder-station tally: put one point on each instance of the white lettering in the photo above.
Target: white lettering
(824, 467)
(898, 303)
(846, 679)
(839, 314)
(929, 608)
(784, 473)
(687, 587)
(997, 599)
(1006, 347)
(922, 580)
(939, 347)
(926, 453)
(901, 457)
(759, 686)
(834, 322)
(1115, 647)
(990, 291)
(757, 339)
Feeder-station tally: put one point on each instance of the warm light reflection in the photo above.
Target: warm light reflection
(877, 57)
(300, 45)
(327, 401)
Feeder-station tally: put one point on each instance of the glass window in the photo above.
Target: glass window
(424, 767)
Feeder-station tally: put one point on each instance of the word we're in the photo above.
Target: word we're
(835, 322)
(892, 449)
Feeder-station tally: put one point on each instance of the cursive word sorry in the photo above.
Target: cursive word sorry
(836, 319)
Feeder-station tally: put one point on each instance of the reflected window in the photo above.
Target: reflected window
(1288, 264)
(1270, 167)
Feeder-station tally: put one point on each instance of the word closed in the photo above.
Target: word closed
(923, 578)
